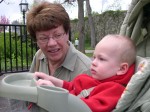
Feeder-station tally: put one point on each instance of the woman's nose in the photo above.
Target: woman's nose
(51, 42)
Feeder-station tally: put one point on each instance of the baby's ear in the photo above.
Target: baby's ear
(123, 68)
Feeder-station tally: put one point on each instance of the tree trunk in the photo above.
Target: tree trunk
(81, 25)
(91, 24)
(1, 1)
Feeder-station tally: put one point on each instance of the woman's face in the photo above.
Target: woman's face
(53, 43)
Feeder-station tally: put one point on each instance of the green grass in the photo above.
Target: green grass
(89, 54)
(88, 47)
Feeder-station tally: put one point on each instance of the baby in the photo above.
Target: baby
(111, 69)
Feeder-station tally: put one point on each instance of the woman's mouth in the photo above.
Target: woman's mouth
(54, 50)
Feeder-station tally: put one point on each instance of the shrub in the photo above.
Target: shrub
(14, 49)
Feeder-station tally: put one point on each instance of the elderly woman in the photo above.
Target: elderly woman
(49, 25)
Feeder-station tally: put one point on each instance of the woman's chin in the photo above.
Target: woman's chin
(55, 58)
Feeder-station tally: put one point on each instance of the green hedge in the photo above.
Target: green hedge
(15, 48)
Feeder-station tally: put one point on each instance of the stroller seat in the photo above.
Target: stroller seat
(136, 96)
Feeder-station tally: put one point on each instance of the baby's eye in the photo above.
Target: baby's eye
(102, 59)
(93, 57)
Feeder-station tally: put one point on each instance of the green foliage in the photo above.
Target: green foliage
(76, 35)
(88, 45)
(111, 12)
(87, 40)
(89, 54)
(74, 20)
(95, 13)
(108, 12)
(14, 49)
(85, 18)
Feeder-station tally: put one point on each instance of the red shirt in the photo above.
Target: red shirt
(106, 93)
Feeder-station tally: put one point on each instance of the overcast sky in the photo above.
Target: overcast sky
(12, 11)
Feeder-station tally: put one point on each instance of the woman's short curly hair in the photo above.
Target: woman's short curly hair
(46, 16)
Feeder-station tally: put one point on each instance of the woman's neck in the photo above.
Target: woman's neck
(54, 65)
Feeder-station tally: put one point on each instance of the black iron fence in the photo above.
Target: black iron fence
(16, 48)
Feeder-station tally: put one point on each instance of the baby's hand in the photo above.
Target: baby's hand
(44, 82)
(40, 75)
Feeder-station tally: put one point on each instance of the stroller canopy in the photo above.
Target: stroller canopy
(137, 25)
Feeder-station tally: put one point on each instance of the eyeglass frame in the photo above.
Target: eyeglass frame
(55, 37)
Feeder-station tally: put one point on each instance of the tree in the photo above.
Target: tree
(92, 28)
(15, 22)
(81, 25)
(36, 2)
(108, 7)
(1, 1)
(5, 1)
(115, 5)
(3, 20)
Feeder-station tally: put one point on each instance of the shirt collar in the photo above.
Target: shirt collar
(43, 57)
(71, 58)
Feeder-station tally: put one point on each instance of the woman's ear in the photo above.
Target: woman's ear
(123, 68)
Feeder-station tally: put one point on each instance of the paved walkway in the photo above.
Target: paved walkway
(89, 51)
